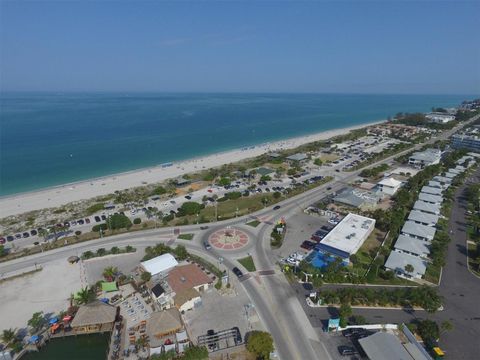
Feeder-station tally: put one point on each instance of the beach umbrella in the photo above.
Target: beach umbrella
(53, 321)
(67, 318)
(105, 300)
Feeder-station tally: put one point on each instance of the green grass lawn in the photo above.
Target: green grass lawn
(185, 236)
(253, 223)
(247, 263)
(433, 273)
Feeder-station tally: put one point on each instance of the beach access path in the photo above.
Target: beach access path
(82, 190)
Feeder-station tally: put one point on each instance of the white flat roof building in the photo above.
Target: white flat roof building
(389, 185)
(424, 158)
(348, 236)
(160, 264)
(439, 118)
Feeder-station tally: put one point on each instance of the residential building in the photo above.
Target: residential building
(433, 199)
(389, 185)
(362, 199)
(412, 246)
(431, 190)
(442, 179)
(424, 158)
(423, 218)
(397, 261)
(427, 207)
(348, 236)
(469, 142)
(419, 231)
(437, 184)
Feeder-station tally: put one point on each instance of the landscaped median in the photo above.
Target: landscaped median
(424, 297)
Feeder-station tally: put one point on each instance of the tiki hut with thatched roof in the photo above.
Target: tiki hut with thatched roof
(94, 317)
(162, 324)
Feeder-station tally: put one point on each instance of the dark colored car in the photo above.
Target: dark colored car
(212, 340)
(207, 245)
(329, 188)
(347, 350)
(188, 197)
(316, 238)
(237, 272)
(276, 207)
(80, 222)
(26, 235)
(97, 219)
(33, 232)
(10, 238)
(104, 217)
(238, 335)
(352, 332)
(307, 245)
(203, 227)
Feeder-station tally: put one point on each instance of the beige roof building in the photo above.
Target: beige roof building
(163, 323)
(94, 317)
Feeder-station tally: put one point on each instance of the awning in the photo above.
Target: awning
(67, 318)
(109, 286)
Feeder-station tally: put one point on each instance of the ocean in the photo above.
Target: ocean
(48, 139)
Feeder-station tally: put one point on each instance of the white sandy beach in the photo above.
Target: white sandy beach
(64, 194)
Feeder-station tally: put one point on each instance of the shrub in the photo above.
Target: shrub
(96, 228)
(78, 233)
(137, 221)
(94, 208)
(191, 207)
(218, 285)
(260, 343)
(118, 221)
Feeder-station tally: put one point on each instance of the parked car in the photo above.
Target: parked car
(97, 219)
(238, 336)
(237, 272)
(347, 350)
(352, 331)
(212, 341)
(188, 197)
(26, 235)
(87, 221)
(307, 245)
(80, 222)
(2, 240)
(10, 238)
(104, 217)
(33, 232)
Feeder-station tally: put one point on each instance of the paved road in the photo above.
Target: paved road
(276, 302)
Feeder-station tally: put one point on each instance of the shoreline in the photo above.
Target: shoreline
(86, 189)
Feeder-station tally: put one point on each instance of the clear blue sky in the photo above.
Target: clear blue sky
(346, 46)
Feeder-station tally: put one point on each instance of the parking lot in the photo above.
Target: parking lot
(223, 311)
(300, 228)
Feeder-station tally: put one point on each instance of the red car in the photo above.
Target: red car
(2, 240)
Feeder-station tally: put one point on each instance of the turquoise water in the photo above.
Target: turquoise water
(52, 139)
(82, 347)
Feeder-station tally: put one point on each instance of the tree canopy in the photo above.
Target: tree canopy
(260, 343)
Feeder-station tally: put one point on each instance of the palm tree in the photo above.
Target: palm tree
(409, 268)
(8, 336)
(85, 295)
(109, 273)
(43, 233)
